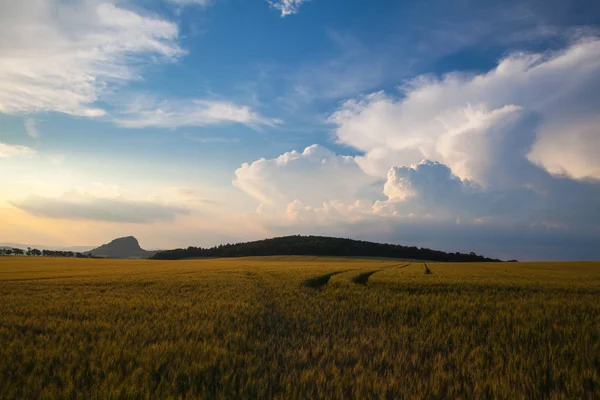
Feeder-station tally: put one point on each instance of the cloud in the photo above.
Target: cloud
(429, 182)
(203, 3)
(431, 189)
(508, 152)
(9, 150)
(314, 176)
(319, 192)
(59, 55)
(287, 7)
(145, 112)
(83, 206)
(31, 128)
(325, 188)
(541, 104)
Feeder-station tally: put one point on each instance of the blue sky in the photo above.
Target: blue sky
(463, 126)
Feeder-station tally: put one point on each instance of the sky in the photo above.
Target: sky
(456, 125)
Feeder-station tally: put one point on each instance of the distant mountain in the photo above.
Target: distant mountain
(125, 247)
(319, 246)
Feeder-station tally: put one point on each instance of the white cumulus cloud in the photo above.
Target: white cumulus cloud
(313, 176)
(431, 189)
(542, 104)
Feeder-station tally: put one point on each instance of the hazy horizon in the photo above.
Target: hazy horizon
(462, 126)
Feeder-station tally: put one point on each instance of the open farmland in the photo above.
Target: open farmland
(297, 327)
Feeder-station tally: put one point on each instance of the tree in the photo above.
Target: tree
(318, 246)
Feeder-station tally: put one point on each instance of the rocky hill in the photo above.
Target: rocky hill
(125, 247)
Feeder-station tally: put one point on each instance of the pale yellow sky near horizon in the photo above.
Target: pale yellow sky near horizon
(197, 228)
(212, 215)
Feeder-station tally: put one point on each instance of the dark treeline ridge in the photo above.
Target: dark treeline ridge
(318, 246)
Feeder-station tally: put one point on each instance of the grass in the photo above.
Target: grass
(427, 270)
(251, 328)
(363, 278)
(318, 282)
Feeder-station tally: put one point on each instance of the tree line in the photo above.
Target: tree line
(12, 252)
(319, 246)
(43, 253)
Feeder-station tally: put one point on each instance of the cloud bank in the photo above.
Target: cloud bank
(84, 206)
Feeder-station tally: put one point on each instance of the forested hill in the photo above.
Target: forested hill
(318, 246)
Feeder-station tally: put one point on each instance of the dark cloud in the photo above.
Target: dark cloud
(557, 201)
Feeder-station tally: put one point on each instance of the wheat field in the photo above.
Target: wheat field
(297, 327)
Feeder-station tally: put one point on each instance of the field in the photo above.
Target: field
(284, 327)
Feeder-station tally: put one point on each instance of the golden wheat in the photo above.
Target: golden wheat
(274, 327)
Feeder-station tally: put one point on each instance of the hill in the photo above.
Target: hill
(125, 247)
(318, 246)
